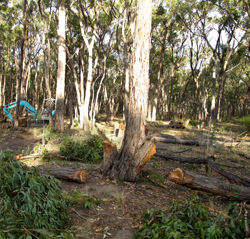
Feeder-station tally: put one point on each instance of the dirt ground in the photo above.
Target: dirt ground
(119, 214)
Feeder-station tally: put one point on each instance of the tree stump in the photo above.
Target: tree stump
(109, 155)
(121, 131)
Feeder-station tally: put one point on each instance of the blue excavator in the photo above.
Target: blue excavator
(44, 114)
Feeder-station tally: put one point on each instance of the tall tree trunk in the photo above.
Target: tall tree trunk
(59, 124)
(18, 93)
(46, 53)
(135, 152)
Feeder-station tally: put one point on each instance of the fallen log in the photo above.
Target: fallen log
(173, 140)
(68, 174)
(209, 161)
(175, 152)
(210, 185)
(237, 144)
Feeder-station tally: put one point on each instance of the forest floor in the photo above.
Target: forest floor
(119, 215)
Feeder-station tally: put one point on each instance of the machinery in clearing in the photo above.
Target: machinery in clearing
(42, 117)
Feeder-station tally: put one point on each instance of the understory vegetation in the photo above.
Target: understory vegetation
(192, 220)
(90, 150)
(31, 205)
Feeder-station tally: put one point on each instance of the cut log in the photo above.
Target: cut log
(210, 185)
(176, 125)
(121, 131)
(173, 140)
(209, 161)
(68, 174)
(109, 155)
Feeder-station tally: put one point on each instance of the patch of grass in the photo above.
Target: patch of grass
(157, 165)
(157, 177)
(110, 191)
(246, 122)
(37, 132)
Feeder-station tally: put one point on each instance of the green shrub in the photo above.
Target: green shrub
(192, 221)
(246, 121)
(193, 123)
(31, 205)
(90, 150)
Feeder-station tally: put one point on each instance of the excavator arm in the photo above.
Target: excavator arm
(23, 103)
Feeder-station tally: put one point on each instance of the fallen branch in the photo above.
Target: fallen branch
(160, 184)
(78, 213)
(207, 184)
(209, 161)
(20, 157)
(176, 152)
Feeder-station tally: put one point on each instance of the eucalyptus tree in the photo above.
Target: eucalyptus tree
(8, 18)
(223, 48)
(134, 153)
(160, 25)
(59, 122)
(46, 17)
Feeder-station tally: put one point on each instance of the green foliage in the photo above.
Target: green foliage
(50, 133)
(193, 123)
(41, 149)
(157, 177)
(31, 205)
(83, 199)
(246, 121)
(212, 137)
(90, 149)
(191, 220)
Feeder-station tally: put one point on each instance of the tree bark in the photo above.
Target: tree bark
(210, 185)
(20, 78)
(59, 123)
